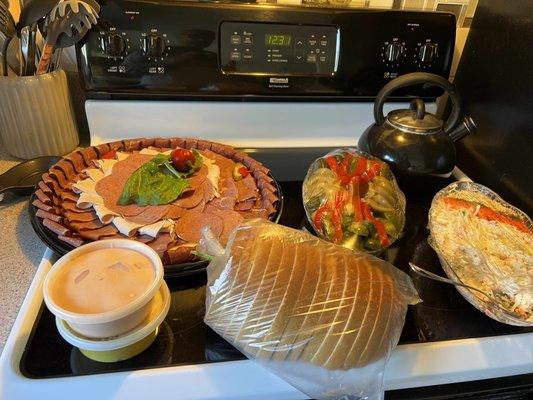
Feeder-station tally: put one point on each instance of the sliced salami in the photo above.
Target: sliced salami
(83, 226)
(198, 178)
(69, 196)
(246, 189)
(231, 219)
(174, 211)
(223, 203)
(70, 206)
(43, 197)
(80, 216)
(161, 243)
(46, 190)
(255, 213)
(95, 234)
(189, 226)
(55, 227)
(149, 215)
(179, 254)
(49, 215)
(244, 205)
(190, 199)
(77, 161)
(68, 169)
(198, 208)
(73, 241)
(39, 204)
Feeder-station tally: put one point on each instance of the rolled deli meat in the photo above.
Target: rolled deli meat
(321, 316)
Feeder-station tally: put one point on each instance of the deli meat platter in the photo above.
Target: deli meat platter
(184, 339)
(77, 199)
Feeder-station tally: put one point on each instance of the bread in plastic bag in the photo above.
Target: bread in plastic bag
(351, 198)
(483, 241)
(322, 317)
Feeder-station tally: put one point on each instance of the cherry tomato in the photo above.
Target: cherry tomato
(180, 157)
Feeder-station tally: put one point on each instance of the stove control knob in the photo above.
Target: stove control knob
(113, 44)
(154, 46)
(393, 51)
(428, 52)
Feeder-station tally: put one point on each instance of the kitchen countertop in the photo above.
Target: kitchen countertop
(21, 252)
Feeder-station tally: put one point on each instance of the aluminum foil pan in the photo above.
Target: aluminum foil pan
(483, 241)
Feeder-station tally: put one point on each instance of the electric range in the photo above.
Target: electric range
(444, 339)
(285, 120)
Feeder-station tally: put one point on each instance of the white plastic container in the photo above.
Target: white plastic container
(115, 322)
(125, 346)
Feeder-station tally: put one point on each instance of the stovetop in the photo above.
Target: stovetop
(184, 339)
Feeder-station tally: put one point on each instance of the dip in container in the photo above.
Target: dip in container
(104, 288)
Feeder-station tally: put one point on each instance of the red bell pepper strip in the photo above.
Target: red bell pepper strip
(317, 219)
(337, 217)
(380, 228)
(356, 200)
(361, 166)
(332, 163)
(486, 213)
(244, 171)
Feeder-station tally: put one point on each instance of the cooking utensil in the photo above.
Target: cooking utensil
(430, 275)
(7, 28)
(23, 177)
(412, 140)
(490, 301)
(72, 18)
(32, 12)
(32, 47)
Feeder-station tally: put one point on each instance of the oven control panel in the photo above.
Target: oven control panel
(280, 49)
(179, 49)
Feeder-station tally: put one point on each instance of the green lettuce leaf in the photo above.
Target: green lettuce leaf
(155, 182)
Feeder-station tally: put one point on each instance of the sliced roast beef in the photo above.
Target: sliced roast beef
(73, 241)
(55, 227)
(39, 204)
(95, 234)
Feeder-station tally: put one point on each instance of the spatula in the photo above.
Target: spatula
(72, 18)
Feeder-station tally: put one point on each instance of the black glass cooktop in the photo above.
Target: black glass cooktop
(185, 339)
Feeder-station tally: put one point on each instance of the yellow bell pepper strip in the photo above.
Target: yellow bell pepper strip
(380, 228)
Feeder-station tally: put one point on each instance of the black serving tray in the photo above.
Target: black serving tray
(171, 270)
(22, 178)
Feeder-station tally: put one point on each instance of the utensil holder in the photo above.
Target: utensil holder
(36, 115)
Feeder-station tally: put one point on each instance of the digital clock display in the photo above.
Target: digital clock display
(272, 39)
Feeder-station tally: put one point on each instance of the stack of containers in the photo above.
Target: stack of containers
(119, 333)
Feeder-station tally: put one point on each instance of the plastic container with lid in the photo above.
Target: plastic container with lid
(116, 321)
(124, 346)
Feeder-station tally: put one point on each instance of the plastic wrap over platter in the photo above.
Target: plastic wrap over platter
(320, 316)
(352, 199)
(485, 242)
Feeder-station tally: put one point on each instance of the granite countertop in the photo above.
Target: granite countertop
(21, 251)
